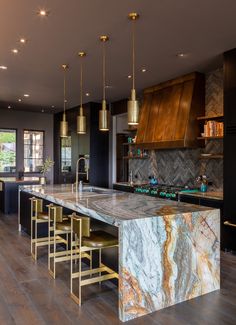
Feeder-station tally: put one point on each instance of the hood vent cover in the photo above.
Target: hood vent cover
(168, 117)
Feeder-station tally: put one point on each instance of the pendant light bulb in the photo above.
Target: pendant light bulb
(64, 123)
(81, 119)
(104, 115)
(133, 104)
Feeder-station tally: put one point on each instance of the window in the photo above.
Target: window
(33, 151)
(7, 151)
(65, 155)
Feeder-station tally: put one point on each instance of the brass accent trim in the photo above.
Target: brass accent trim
(133, 16)
(104, 38)
(227, 223)
(82, 54)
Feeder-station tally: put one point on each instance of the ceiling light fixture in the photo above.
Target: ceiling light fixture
(64, 123)
(43, 13)
(181, 55)
(26, 95)
(9, 106)
(104, 113)
(42, 110)
(52, 106)
(19, 100)
(133, 105)
(87, 94)
(129, 76)
(3, 67)
(81, 119)
(15, 51)
(23, 40)
(144, 70)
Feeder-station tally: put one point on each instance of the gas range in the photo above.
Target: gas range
(161, 190)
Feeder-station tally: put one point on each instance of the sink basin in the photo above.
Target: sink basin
(96, 190)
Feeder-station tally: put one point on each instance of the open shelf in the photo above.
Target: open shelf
(135, 157)
(212, 156)
(212, 117)
(210, 138)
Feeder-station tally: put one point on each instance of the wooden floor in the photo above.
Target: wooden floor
(28, 295)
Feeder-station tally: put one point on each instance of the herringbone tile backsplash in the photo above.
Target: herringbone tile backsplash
(182, 166)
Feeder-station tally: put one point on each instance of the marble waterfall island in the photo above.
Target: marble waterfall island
(169, 251)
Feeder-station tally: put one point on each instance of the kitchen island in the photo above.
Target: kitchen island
(169, 251)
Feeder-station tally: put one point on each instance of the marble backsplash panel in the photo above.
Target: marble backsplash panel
(182, 166)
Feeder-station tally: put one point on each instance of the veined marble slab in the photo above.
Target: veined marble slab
(113, 207)
(167, 260)
(169, 251)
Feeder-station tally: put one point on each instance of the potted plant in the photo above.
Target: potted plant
(46, 167)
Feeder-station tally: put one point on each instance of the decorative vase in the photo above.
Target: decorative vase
(203, 187)
(42, 180)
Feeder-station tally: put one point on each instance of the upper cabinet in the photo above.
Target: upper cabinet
(169, 111)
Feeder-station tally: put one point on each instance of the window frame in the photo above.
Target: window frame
(32, 130)
(6, 174)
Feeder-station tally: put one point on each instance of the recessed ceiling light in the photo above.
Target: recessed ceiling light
(15, 51)
(181, 55)
(3, 67)
(26, 95)
(53, 106)
(129, 76)
(42, 110)
(144, 70)
(43, 12)
(23, 40)
(9, 106)
(87, 94)
(19, 100)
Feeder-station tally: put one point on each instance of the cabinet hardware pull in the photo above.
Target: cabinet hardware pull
(227, 223)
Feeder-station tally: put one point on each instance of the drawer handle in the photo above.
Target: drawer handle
(227, 223)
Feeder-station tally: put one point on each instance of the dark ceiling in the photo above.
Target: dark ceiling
(201, 29)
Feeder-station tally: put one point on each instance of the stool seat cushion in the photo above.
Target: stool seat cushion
(99, 239)
(42, 215)
(64, 226)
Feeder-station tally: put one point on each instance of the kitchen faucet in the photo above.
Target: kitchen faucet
(78, 173)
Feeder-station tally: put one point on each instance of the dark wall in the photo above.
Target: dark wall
(229, 146)
(21, 120)
(95, 143)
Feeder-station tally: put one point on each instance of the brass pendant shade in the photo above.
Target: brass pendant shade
(104, 118)
(133, 109)
(133, 105)
(64, 123)
(104, 115)
(81, 119)
(81, 122)
(64, 127)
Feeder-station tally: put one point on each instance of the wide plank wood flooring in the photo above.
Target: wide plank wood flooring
(28, 295)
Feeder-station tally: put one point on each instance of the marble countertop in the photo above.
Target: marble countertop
(17, 180)
(110, 206)
(206, 195)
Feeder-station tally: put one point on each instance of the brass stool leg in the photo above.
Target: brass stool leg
(100, 263)
(31, 234)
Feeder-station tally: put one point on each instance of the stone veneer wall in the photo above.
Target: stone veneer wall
(182, 166)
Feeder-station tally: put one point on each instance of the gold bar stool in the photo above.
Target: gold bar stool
(38, 216)
(87, 241)
(60, 225)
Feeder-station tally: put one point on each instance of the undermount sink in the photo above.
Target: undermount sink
(96, 190)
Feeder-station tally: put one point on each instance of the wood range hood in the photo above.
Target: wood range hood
(168, 116)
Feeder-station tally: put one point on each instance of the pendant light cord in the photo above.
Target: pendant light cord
(133, 51)
(81, 82)
(64, 91)
(104, 69)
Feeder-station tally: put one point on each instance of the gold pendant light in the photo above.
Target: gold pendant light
(133, 105)
(81, 119)
(104, 113)
(64, 123)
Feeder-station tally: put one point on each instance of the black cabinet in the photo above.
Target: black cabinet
(94, 143)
